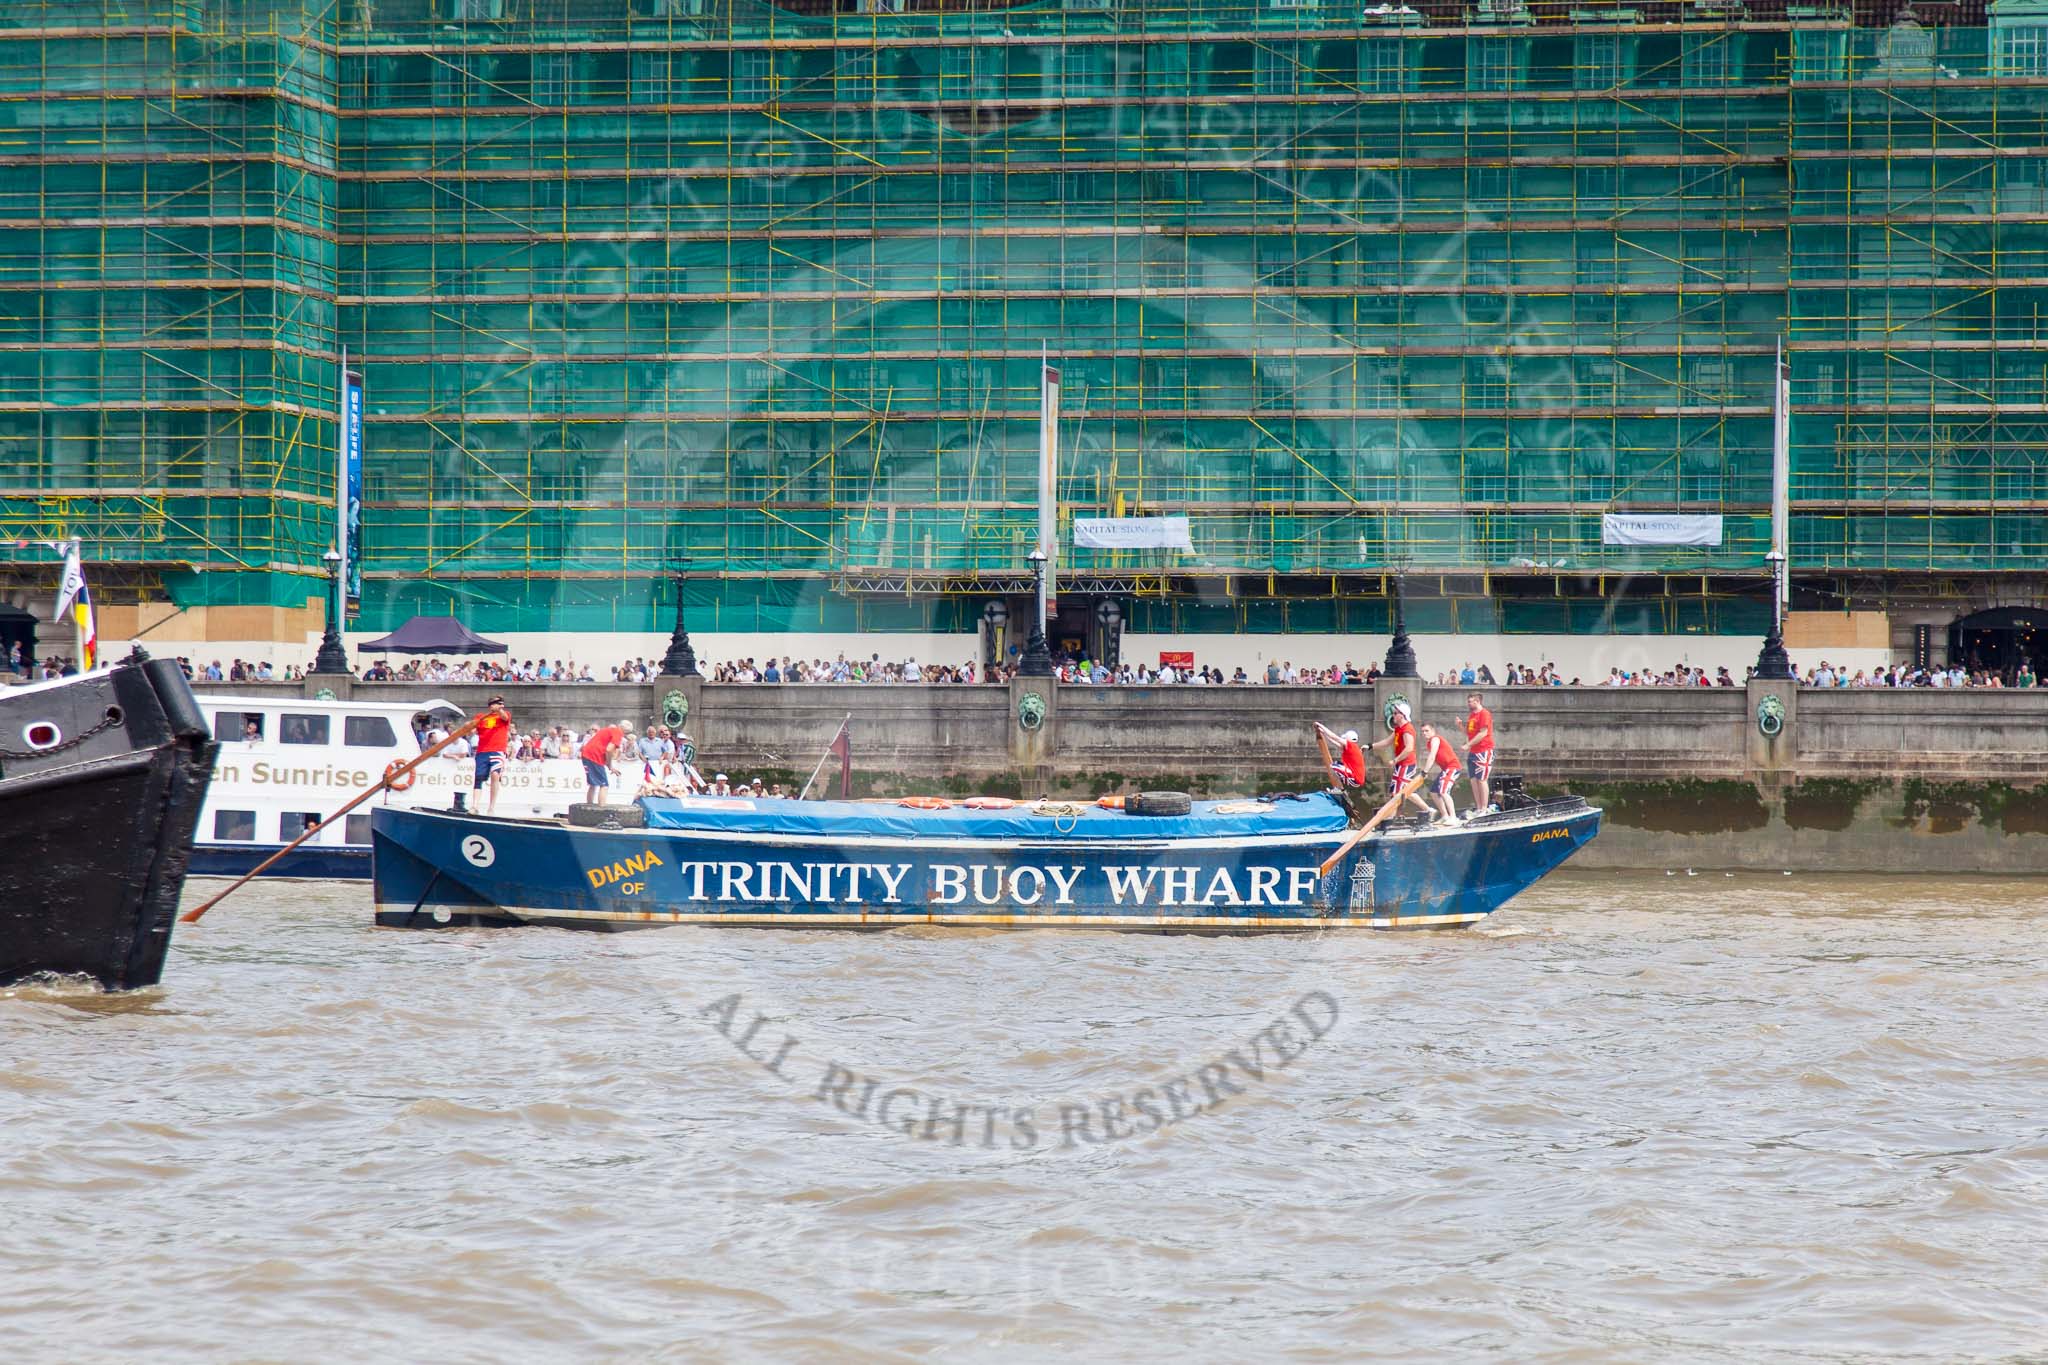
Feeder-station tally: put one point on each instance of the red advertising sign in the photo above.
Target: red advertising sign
(1177, 658)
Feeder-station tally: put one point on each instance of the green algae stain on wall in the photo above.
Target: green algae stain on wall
(1945, 807)
(1827, 803)
(1682, 806)
(2023, 811)
(1950, 806)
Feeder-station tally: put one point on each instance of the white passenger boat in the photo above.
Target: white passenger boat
(286, 762)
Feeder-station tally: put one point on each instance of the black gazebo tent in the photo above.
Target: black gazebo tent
(432, 635)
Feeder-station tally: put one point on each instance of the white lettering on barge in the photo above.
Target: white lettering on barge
(974, 885)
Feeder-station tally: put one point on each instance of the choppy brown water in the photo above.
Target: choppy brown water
(1635, 1118)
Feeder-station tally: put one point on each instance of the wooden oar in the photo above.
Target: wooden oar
(192, 916)
(1393, 804)
(1329, 769)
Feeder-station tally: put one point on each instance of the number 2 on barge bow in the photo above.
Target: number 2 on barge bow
(1234, 866)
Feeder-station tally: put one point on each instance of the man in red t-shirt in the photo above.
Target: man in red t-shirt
(597, 759)
(1440, 760)
(1353, 759)
(1349, 766)
(1400, 745)
(1478, 749)
(493, 732)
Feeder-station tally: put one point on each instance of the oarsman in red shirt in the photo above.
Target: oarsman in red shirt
(1441, 762)
(1353, 759)
(1478, 749)
(598, 752)
(493, 731)
(1349, 766)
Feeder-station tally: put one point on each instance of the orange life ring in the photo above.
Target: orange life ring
(925, 802)
(1110, 802)
(988, 803)
(400, 783)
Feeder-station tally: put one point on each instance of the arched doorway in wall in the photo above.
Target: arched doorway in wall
(2000, 639)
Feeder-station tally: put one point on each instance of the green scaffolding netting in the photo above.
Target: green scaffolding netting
(637, 283)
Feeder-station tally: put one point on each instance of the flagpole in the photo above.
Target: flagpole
(1048, 475)
(341, 543)
(77, 556)
(1781, 474)
(805, 793)
(1774, 662)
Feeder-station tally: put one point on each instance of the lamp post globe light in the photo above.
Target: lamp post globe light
(1773, 663)
(1037, 660)
(681, 659)
(332, 659)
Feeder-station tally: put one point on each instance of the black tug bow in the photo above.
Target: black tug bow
(101, 781)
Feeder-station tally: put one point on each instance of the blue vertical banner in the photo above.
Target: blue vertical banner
(352, 485)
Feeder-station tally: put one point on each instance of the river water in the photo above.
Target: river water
(1633, 1118)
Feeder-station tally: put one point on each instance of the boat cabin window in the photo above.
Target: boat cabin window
(294, 729)
(357, 831)
(292, 823)
(245, 726)
(234, 824)
(368, 732)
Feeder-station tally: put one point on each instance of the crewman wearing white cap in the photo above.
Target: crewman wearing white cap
(1348, 768)
(1400, 743)
(1353, 759)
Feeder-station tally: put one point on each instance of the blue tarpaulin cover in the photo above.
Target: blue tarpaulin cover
(1318, 813)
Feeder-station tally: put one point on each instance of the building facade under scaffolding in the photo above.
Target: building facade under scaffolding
(759, 293)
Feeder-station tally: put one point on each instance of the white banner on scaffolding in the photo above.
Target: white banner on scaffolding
(1634, 529)
(1133, 533)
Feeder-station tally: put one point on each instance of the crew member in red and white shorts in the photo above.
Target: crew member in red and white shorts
(1478, 749)
(1400, 745)
(1442, 762)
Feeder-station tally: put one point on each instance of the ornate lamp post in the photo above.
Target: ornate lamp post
(1773, 663)
(681, 660)
(1037, 660)
(1400, 650)
(332, 659)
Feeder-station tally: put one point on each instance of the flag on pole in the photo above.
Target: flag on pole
(1048, 482)
(842, 748)
(1781, 472)
(74, 597)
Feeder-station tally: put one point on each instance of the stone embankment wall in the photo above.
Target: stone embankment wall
(1853, 781)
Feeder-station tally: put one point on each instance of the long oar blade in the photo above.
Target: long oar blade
(192, 916)
(1329, 864)
(1329, 769)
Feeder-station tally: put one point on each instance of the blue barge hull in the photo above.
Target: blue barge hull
(845, 865)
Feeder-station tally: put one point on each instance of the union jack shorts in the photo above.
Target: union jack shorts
(1479, 766)
(1403, 774)
(1445, 777)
